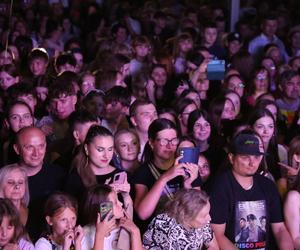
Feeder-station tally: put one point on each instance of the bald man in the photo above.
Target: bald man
(43, 179)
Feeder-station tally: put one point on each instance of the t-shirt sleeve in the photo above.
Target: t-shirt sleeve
(43, 244)
(220, 201)
(143, 176)
(25, 245)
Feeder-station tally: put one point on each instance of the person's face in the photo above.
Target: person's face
(242, 224)
(201, 129)
(121, 35)
(38, 66)
(263, 222)
(228, 111)
(245, 165)
(125, 69)
(235, 99)
(204, 170)
(79, 62)
(234, 47)
(159, 76)
(186, 112)
(63, 106)
(5, 58)
(210, 36)
(296, 65)
(95, 105)
(261, 81)
(142, 50)
(202, 85)
(296, 40)
(276, 55)
(181, 87)
(144, 116)
(100, 151)
(273, 109)
(62, 222)
(13, 187)
(185, 45)
(88, 84)
(19, 117)
(117, 205)
(113, 110)
(265, 127)
(291, 89)
(31, 147)
(269, 27)
(195, 98)
(7, 231)
(168, 116)
(236, 85)
(270, 66)
(30, 100)
(80, 131)
(202, 218)
(7, 80)
(41, 93)
(127, 146)
(164, 152)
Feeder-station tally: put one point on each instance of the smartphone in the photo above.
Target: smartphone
(105, 209)
(189, 155)
(120, 178)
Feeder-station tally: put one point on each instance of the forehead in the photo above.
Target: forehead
(144, 108)
(15, 172)
(19, 108)
(169, 132)
(264, 119)
(201, 119)
(126, 136)
(61, 97)
(101, 140)
(32, 137)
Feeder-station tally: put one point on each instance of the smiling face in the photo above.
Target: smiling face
(100, 151)
(228, 110)
(19, 117)
(201, 129)
(261, 81)
(159, 76)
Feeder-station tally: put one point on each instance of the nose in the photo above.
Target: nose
(3, 232)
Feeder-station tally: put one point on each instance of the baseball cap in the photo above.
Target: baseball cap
(234, 36)
(246, 144)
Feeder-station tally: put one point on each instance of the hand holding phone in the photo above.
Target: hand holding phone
(120, 178)
(105, 209)
(189, 155)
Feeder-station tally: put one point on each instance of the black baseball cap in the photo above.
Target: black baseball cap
(245, 144)
(234, 36)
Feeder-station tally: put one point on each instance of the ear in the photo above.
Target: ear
(151, 143)
(49, 221)
(132, 119)
(74, 99)
(230, 157)
(16, 148)
(6, 123)
(76, 135)
(125, 110)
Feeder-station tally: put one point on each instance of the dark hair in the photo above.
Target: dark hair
(63, 59)
(80, 161)
(38, 53)
(20, 89)
(255, 72)
(7, 209)
(13, 103)
(118, 94)
(58, 89)
(287, 75)
(182, 103)
(95, 195)
(10, 69)
(137, 103)
(193, 117)
(155, 127)
(272, 157)
(81, 117)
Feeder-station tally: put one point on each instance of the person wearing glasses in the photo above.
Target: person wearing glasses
(161, 175)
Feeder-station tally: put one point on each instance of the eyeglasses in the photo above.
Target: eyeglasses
(260, 77)
(164, 141)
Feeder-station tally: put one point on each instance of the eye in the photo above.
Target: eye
(110, 149)
(100, 149)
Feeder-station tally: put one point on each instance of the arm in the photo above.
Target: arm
(222, 240)
(135, 235)
(213, 245)
(146, 201)
(282, 236)
(292, 216)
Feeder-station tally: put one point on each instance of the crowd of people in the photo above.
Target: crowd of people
(148, 125)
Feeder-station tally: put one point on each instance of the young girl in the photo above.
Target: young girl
(115, 230)
(87, 83)
(61, 217)
(127, 145)
(12, 233)
(9, 76)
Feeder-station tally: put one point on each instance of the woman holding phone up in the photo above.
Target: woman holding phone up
(92, 164)
(161, 175)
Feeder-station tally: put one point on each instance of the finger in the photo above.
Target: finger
(177, 160)
(107, 181)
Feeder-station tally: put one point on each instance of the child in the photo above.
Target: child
(61, 217)
(12, 233)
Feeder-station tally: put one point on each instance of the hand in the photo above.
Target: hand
(78, 233)
(121, 188)
(192, 169)
(176, 170)
(128, 224)
(11, 246)
(47, 129)
(103, 228)
(290, 170)
(68, 239)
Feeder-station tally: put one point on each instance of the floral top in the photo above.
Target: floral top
(165, 233)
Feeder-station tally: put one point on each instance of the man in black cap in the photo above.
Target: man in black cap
(240, 191)
(233, 44)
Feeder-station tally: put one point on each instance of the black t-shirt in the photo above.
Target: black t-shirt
(245, 212)
(47, 181)
(75, 186)
(144, 176)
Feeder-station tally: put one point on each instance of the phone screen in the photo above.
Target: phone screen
(105, 208)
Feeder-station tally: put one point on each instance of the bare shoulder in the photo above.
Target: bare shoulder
(293, 196)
